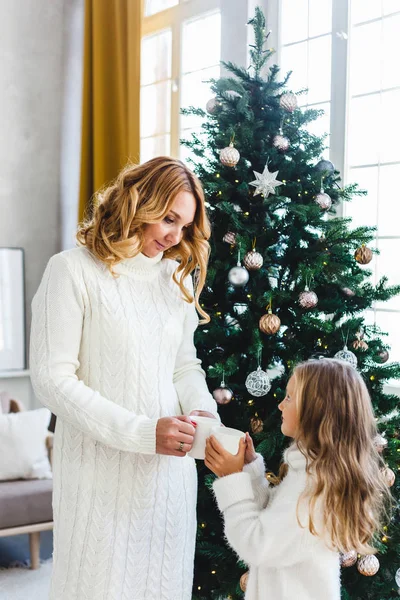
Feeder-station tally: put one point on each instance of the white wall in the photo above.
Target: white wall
(31, 73)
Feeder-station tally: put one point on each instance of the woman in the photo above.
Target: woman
(112, 355)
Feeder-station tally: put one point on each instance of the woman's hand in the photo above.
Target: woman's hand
(174, 435)
(220, 461)
(250, 454)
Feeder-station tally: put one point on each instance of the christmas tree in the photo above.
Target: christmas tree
(287, 282)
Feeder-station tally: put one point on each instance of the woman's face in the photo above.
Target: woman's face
(288, 407)
(158, 237)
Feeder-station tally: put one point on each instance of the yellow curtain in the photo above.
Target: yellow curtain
(111, 93)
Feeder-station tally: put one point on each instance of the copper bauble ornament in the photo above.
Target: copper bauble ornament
(323, 200)
(243, 581)
(253, 260)
(348, 559)
(359, 343)
(363, 255)
(368, 565)
(308, 299)
(222, 394)
(230, 238)
(288, 102)
(281, 142)
(256, 425)
(380, 442)
(269, 323)
(229, 156)
(389, 476)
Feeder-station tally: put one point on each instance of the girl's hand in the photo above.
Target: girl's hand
(220, 461)
(250, 454)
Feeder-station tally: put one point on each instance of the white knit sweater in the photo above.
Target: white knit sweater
(286, 562)
(110, 356)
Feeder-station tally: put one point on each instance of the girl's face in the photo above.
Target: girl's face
(158, 237)
(288, 407)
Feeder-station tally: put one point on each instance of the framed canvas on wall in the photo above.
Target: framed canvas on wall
(12, 309)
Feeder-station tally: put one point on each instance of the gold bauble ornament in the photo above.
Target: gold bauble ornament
(288, 102)
(243, 581)
(348, 559)
(363, 255)
(230, 238)
(229, 156)
(368, 565)
(256, 425)
(253, 260)
(360, 345)
(269, 323)
(388, 476)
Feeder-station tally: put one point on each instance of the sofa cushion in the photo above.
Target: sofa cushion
(23, 452)
(25, 502)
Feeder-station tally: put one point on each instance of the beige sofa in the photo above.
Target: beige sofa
(25, 505)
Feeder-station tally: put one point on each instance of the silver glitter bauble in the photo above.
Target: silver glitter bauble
(212, 106)
(368, 565)
(380, 442)
(325, 166)
(229, 156)
(347, 356)
(258, 383)
(288, 102)
(348, 559)
(308, 299)
(230, 238)
(253, 260)
(222, 394)
(397, 577)
(238, 276)
(281, 142)
(323, 200)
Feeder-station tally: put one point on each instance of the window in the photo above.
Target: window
(181, 51)
(305, 48)
(373, 152)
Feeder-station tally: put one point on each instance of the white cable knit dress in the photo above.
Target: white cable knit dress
(110, 356)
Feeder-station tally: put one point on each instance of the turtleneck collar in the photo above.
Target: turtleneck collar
(140, 266)
(294, 458)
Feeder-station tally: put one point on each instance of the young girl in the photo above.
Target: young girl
(332, 498)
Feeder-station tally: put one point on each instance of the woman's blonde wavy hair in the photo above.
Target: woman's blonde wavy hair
(336, 429)
(140, 195)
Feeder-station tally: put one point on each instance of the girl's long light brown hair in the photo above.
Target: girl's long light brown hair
(140, 195)
(336, 431)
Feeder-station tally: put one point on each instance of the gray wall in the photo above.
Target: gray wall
(31, 84)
